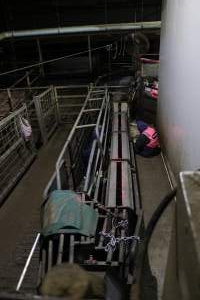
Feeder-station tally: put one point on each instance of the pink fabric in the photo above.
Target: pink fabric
(152, 135)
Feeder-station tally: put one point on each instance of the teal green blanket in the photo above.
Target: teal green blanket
(65, 213)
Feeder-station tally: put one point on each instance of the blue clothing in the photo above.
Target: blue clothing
(141, 126)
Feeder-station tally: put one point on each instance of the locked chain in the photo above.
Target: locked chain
(111, 245)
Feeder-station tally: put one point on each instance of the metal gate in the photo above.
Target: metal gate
(15, 153)
(47, 113)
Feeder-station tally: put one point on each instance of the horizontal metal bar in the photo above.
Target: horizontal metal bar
(86, 125)
(91, 109)
(98, 92)
(25, 88)
(71, 96)
(70, 105)
(95, 99)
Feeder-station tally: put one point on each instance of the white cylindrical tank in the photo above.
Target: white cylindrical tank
(179, 84)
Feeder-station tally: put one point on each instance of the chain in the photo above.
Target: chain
(111, 245)
(123, 224)
(101, 206)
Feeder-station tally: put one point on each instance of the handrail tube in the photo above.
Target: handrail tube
(86, 188)
(97, 126)
(104, 145)
(98, 120)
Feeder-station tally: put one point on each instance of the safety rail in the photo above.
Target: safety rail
(89, 119)
(91, 126)
(15, 153)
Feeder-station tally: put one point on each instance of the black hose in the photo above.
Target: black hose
(135, 291)
(156, 216)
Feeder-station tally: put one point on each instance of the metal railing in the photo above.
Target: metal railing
(82, 153)
(15, 153)
(70, 99)
(47, 106)
(87, 121)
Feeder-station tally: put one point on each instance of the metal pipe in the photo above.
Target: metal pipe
(81, 29)
(27, 263)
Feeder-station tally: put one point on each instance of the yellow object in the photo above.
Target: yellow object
(133, 130)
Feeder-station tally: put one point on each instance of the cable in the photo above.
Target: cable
(58, 58)
(51, 60)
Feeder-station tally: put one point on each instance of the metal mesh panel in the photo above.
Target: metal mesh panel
(47, 114)
(70, 99)
(15, 153)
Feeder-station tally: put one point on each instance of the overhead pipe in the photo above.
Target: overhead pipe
(102, 28)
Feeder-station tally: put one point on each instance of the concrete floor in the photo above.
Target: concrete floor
(154, 185)
(20, 214)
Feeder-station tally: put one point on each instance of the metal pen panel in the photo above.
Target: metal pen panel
(15, 153)
(47, 113)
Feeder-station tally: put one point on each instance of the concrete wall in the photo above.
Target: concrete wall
(179, 100)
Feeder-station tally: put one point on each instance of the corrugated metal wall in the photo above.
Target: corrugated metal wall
(179, 103)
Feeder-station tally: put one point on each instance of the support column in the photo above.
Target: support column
(40, 57)
(89, 54)
(179, 93)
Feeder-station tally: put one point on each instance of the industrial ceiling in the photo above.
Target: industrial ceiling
(17, 17)
(20, 15)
